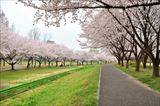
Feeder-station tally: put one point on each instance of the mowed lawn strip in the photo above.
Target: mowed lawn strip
(145, 76)
(12, 78)
(76, 89)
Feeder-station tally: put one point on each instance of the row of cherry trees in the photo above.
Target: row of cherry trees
(127, 34)
(125, 27)
(16, 48)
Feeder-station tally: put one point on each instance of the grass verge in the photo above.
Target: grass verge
(6, 93)
(145, 76)
(76, 89)
(13, 78)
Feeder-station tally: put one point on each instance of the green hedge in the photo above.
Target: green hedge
(6, 93)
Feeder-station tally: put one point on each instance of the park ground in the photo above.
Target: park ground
(119, 89)
(80, 88)
(76, 89)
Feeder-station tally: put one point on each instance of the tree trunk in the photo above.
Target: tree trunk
(28, 64)
(155, 69)
(45, 62)
(144, 65)
(137, 65)
(71, 63)
(0, 62)
(150, 64)
(77, 63)
(122, 62)
(4, 63)
(39, 64)
(35, 64)
(49, 64)
(21, 61)
(91, 62)
(64, 63)
(56, 63)
(12, 66)
(127, 63)
(119, 61)
(32, 61)
(145, 62)
(82, 62)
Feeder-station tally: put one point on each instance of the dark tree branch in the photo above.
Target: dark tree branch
(104, 5)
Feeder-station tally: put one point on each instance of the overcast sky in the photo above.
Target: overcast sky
(22, 17)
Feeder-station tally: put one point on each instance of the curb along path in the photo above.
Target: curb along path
(117, 89)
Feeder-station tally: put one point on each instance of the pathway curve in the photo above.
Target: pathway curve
(118, 89)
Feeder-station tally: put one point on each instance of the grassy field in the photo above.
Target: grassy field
(76, 89)
(145, 76)
(12, 78)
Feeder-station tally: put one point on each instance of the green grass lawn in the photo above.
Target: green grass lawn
(145, 76)
(12, 78)
(76, 89)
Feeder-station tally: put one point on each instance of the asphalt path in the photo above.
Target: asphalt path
(119, 89)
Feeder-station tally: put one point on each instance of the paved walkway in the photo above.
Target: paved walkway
(118, 89)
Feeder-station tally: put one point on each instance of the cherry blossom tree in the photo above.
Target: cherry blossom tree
(141, 25)
(64, 53)
(30, 50)
(102, 33)
(12, 51)
(141, 16)
(3, 31)
(144, 31)
(50, 53)
(53, 11)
